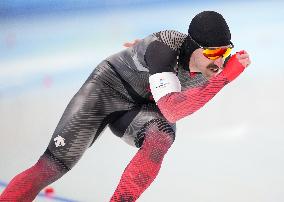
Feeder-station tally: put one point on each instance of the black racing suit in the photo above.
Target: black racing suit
(116, 94)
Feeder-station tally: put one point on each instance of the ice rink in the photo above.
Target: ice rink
(229, 151)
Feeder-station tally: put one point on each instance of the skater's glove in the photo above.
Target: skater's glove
(236, 65)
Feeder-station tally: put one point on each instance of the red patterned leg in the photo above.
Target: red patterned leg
(144, 167)
(25, 186)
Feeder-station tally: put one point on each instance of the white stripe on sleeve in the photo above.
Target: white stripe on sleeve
(164, 83)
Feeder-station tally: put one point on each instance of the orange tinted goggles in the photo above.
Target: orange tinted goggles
(215, 53)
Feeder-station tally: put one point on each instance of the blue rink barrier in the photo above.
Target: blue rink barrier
(13, 8)
(42, 195)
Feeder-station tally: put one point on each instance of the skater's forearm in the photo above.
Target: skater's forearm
(177, 105)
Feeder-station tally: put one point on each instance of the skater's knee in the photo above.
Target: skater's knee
(157, 132)
(52, 162)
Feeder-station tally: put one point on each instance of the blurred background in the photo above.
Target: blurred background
(230, 150)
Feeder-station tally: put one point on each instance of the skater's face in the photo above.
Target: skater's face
(200, 63)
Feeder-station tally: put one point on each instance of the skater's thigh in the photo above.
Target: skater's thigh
(86, 116)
